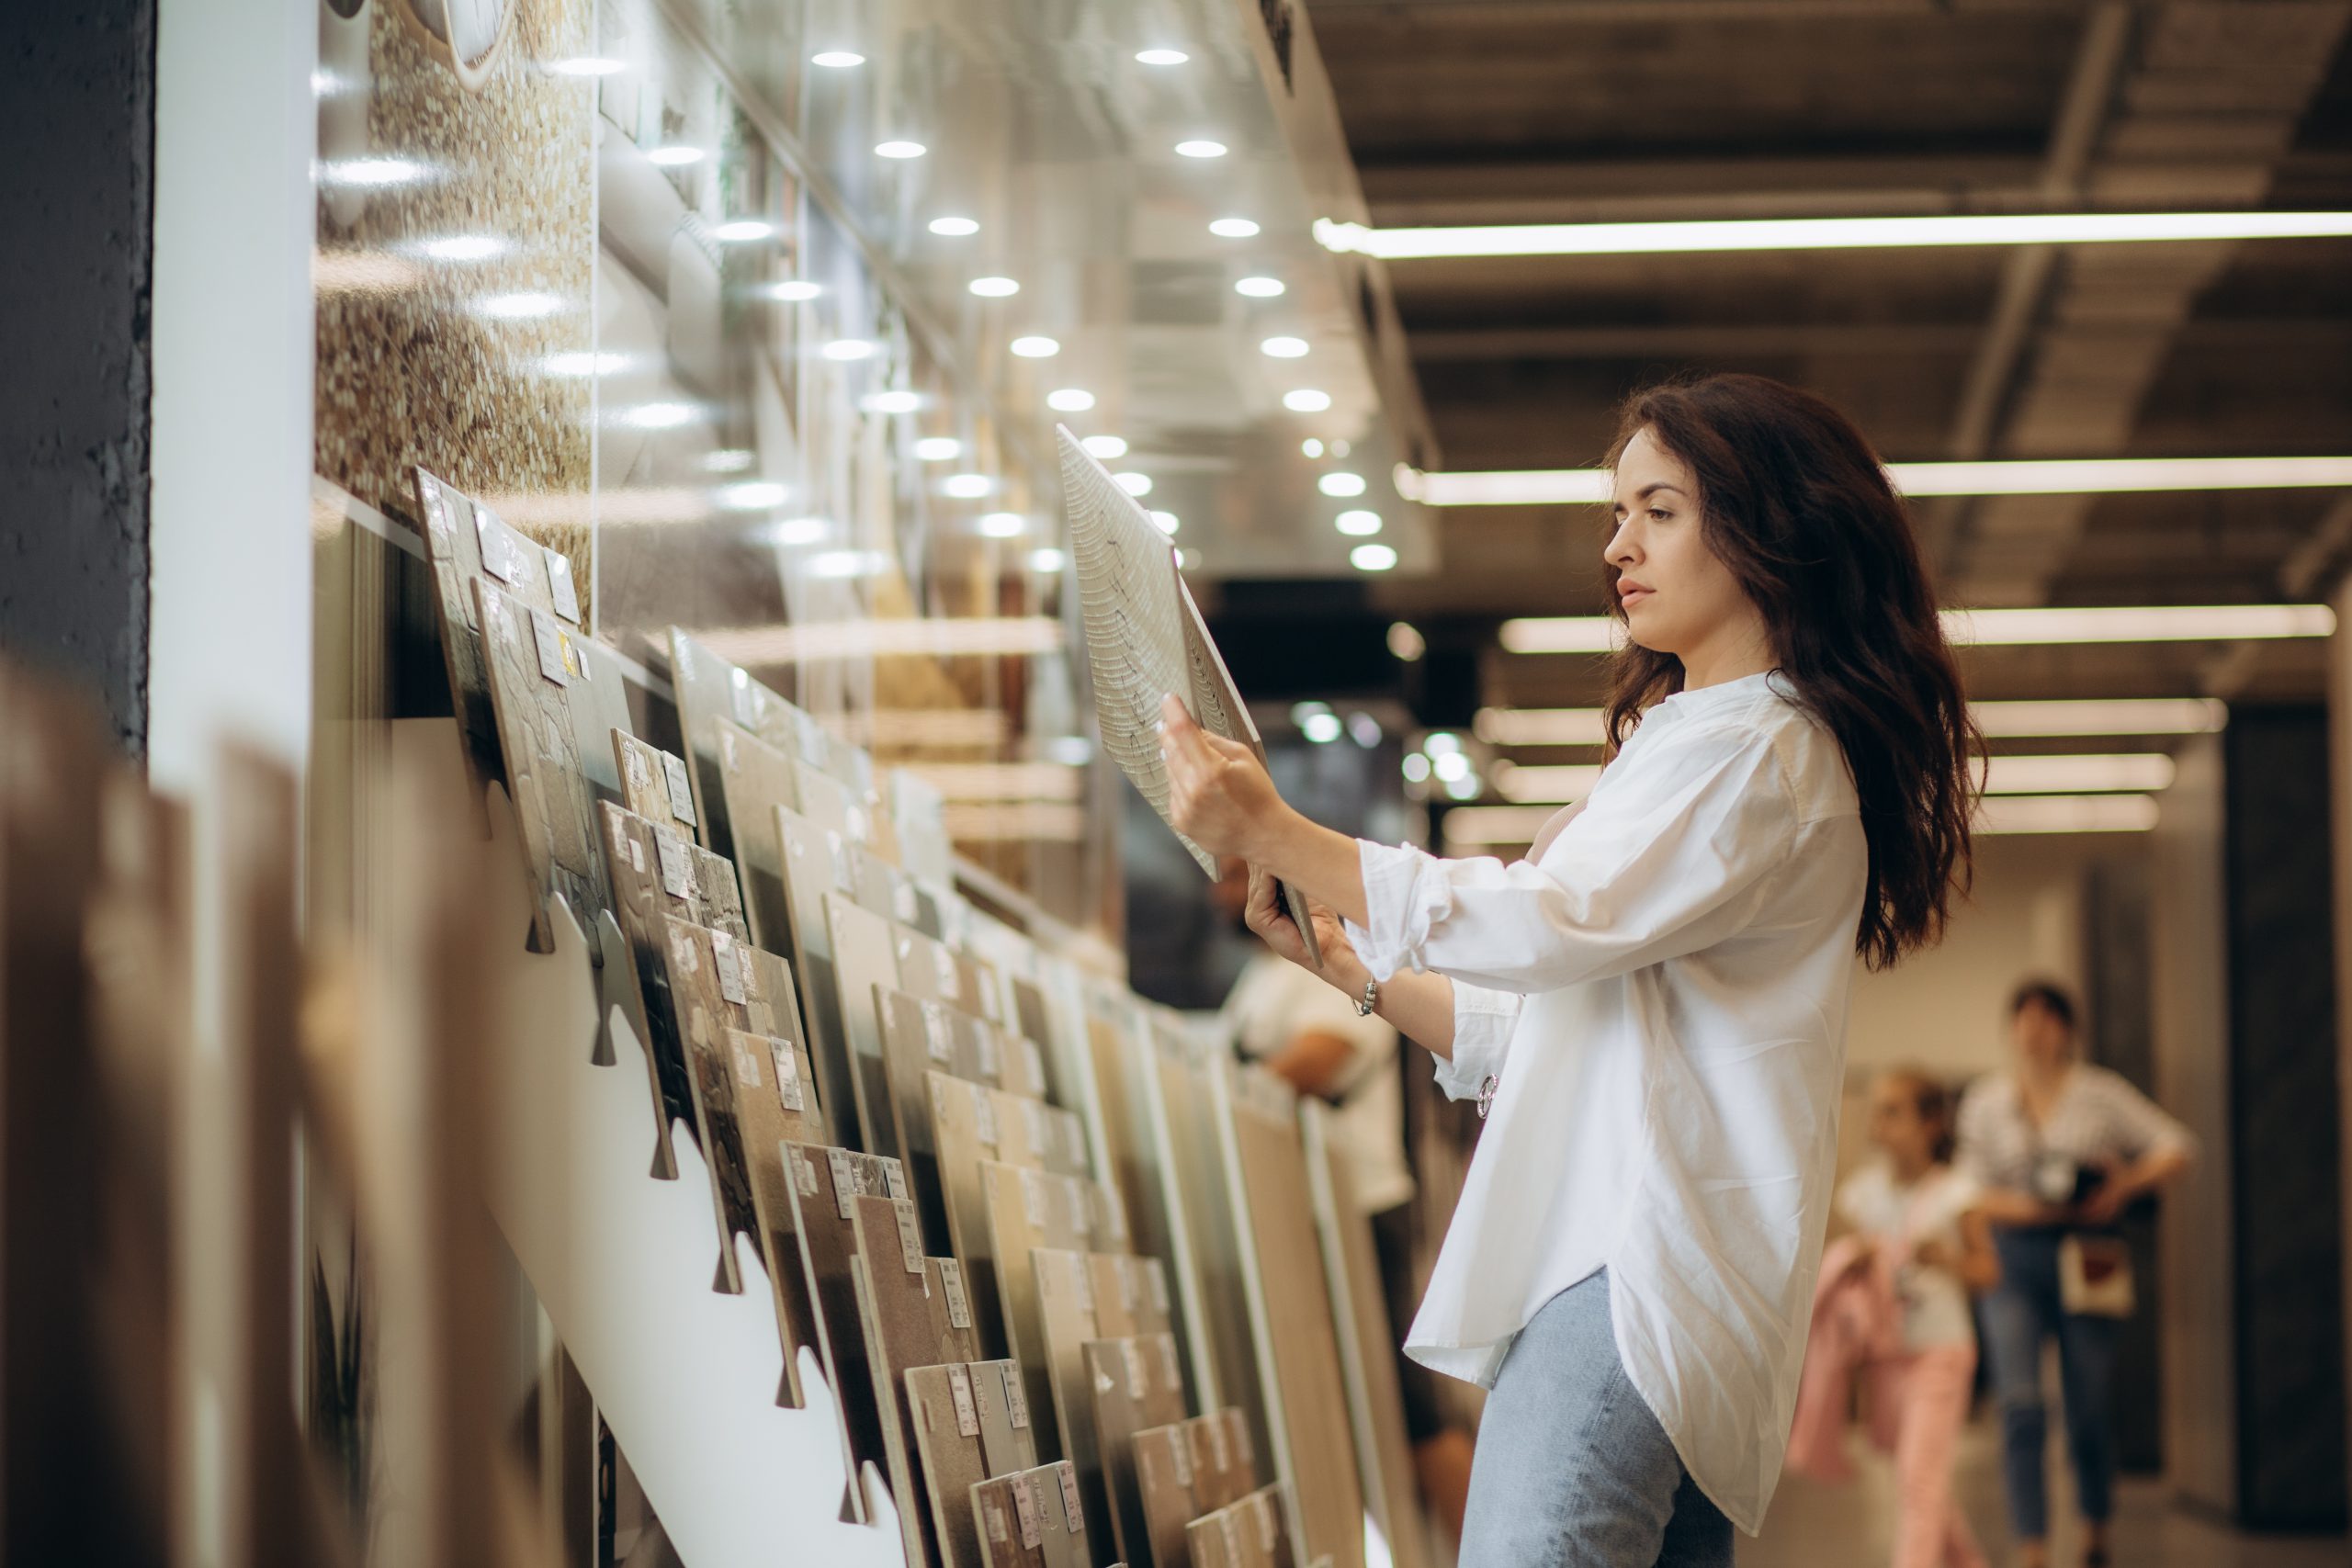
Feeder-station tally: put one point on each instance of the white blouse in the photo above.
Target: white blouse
(1658, 1005)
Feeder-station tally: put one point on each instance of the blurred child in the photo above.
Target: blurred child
(1893, 1306)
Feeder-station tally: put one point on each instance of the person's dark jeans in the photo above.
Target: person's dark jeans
(2018, 1318)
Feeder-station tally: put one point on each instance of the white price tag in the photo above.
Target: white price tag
(1071, 1510)
(1025, 1506)
(902, 900)
(984, 1116)
(1181, 1451)
(994, 1515)
(959, 1389)
(1040, 1129)
(682, 789)
(950, 982)
(1225, 1527)
(554, 646)
(567, 595)
(1234, 1419)
(1032, 1193)
(787, 1075)
(1157, 1278)
(1081, 1284)
(1220, 1456)
(804, 1171)
(1172, 1376)
(1139, 1378)
(940, 1037)
(893, 1179)
(1017, 1397)
(1269, 1531)
(845, 1182)
(1125, 1266)
(959, 1305)
(677, 871)
(684, 952)
(436, 518)
(1036, 1059)
(498, 555)
(730, 968)
(988, 1061)
(910, 1237)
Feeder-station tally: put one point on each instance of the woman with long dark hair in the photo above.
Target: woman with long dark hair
(1652, 1006)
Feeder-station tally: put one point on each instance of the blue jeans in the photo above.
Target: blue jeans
(1572, 1471)
(2019, 1317)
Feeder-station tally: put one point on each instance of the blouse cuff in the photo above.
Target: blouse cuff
(1483, 1021)
(1405, 892)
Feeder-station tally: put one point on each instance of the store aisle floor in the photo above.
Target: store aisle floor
(1813, 1525)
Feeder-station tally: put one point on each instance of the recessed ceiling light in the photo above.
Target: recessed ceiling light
(1310, 447)
(1168, 522)
(675, 157)
(728, 460)
(1358, 523)
(1322, 729)
(1161, 56)
(1306, 400)
(373, 172)
(1234, 228)
(1828, 233)
(1201, 147)
(584, 364)
(994, 287)
(1404, 640)
(846, 563)
(753, 495)
(1047, 561)
(586, 65)
(464, 247)
(836, 58)
(846, 349)
(938, 448)
(2108, 773)
(899, 150)
(1284, 347)
(1106, 447)
(743, 231)
(793, 291)
(2014, 627)
(1258, 288)
(797, 532)
(954, 228)
(1340, 483)
(1070, 400)
(2108, 715)
(1035, 347)
(1134, 483)
(1371, 557)
(2067, 813)
(1003, 524)
(897, 401)
(967, 487)
(522, 306)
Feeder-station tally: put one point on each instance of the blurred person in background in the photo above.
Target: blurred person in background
(1893, 1305)
(2060, 1148)
(1289, 1020)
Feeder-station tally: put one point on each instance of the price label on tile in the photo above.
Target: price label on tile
(677, 870)
(984, 1116)
(498, 558)
(1036, 1059)
(1138, 1377)
(994, 1517)
(1040, 1131)
(1081, 1284)
(950, 982)
(1017, 1397)
(1172, 1375)
(1157, 1279)
(1032, 1193)
(804, 1172)
(559, 584)
(902, 900)
(894, 1177)
(1124, 1267)
(936, 1034)
(844, 1179)
(1225, 1527)
(681, 788)
(1071, 1510)
(959, 1305)
(1240, 1425)
(731, 967)
(990, 1064)
(1220, 1456)
(787, 1075)
(1024, 1506)
(554, 646)
(1269, 1531)
(910, 1236)
(959, 1389)
(1181, 1453)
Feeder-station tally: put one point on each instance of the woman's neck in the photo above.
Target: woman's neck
(2042, 1077)
(1731, 653)
(1908, 1167)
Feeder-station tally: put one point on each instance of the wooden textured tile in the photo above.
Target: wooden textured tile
(931, 968)
(1026, 1520)
(943, 1415)
(1132, 1384)
(655, 785)
(826, 1184)
(1164, 1487)
(917, 1040)
(529, 661)
(453, 555)
(1219, 1475)
(775, 1103)
(863, 957)
(703, 1015)
(903, 1305)
(774, 1006)
(1066, 1321)
(1026, 1209)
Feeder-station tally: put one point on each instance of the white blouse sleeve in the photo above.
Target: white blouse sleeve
(1483, 1021)
(1631, 883)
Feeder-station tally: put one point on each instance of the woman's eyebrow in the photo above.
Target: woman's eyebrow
(1648, 490)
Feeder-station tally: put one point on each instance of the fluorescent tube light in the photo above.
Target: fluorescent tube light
(2066, 814)
(1998, 720)
(2029, 626)
(1825, 233)
(2141, 771)
(2069, 476)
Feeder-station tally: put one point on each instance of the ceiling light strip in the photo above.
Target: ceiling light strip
(2067, 476)
(1825, 233)
(1998, 720)
(2008, 628)
(1499, 827)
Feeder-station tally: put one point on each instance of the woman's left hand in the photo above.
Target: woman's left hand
(1218, 793)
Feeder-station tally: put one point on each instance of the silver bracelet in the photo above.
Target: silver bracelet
(1369, 999)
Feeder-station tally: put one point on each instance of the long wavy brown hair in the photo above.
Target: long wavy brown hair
(1793, 501)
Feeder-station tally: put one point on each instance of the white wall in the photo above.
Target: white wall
(1943, 1009)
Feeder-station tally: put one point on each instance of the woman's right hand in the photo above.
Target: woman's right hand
(1266, 914)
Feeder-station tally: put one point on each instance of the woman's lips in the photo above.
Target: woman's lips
(1629, 594)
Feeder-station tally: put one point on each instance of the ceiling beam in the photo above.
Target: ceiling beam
(1726, 339)
(1524, 13)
